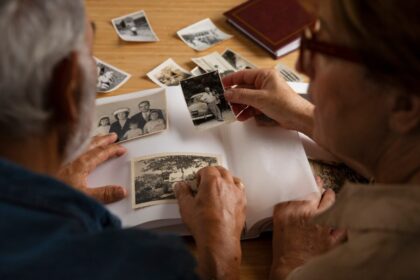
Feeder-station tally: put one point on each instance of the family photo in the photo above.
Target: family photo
(153, 177)
(206, 103)
(132, 118)
(135, 27)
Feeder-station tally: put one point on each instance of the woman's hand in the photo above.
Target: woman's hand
(102, 149)
(296, 239)
(215, 216)
(267, 93)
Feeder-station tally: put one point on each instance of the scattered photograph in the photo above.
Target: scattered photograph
(237, 61)
(132, 118)
(168, 74)
(202, 35)
(110, 78)
(214, 62)
(134, 27)
(288, 74)
(205, 100)
(197, 71)
(153, 177)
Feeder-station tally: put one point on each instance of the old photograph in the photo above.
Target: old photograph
(206, 103)
(197, 71)
(288, 74)
(214, 62)
(154, 176)
(237, 61)
(135, 27)
(109, 78)
(132, 118)
(169, 73)
(202, 35)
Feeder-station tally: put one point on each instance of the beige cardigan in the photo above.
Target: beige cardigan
(384, 235)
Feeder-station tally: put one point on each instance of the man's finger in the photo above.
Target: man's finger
(108, 194)
(101, 154)
(206, 177)
(327, 200)
(185, 199)
(98, 141)
(225, 174)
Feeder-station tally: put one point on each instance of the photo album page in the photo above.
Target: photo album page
(169, 148)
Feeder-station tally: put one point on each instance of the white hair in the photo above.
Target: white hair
(36, 36)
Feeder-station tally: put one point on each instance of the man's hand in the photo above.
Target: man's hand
(215, 216)
(264, 91)
(296, 239)
(102, 149)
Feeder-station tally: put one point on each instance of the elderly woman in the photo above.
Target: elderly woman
(362, 58)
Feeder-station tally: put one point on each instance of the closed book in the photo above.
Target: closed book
(276, 25)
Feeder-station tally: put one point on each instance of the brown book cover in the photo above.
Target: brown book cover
(274, 24)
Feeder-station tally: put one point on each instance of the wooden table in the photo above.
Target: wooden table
(166, 18)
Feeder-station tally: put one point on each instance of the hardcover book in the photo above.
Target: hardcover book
(276, 25)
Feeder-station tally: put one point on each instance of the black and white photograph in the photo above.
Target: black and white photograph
(135, 27)
(205, 100)
(197, 71)
(237, 61)
(109, 78)
(154, 176)
(214, 62)
(169, 73)
(202, 35)
(288, 74)
(132, 118)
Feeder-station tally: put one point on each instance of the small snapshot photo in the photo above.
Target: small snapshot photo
(110, 78)
(214, 62)
(135, 27)
(237, 61)
(132, 118)
(153, 177)
(168, 74)
(206, 102)
(202, 35)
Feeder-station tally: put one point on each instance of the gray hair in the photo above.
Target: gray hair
(36, 36)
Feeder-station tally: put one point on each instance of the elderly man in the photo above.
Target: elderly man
(51, 230)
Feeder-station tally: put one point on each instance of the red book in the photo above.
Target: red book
(276, 25)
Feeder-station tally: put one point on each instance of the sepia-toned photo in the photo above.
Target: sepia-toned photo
(132, 118)
(237, 61)
(154, 176)
(135, 27)
(206, 102)
(110, 78)
(214, 62)
(168, 74)
(202, 35)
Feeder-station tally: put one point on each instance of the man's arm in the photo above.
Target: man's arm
(76, 172)
(215, 217)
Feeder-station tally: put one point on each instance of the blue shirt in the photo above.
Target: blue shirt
(49, 230)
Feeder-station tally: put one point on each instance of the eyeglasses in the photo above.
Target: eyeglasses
(310, 45)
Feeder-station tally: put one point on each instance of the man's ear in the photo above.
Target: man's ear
(405, 115)
(64, 90)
